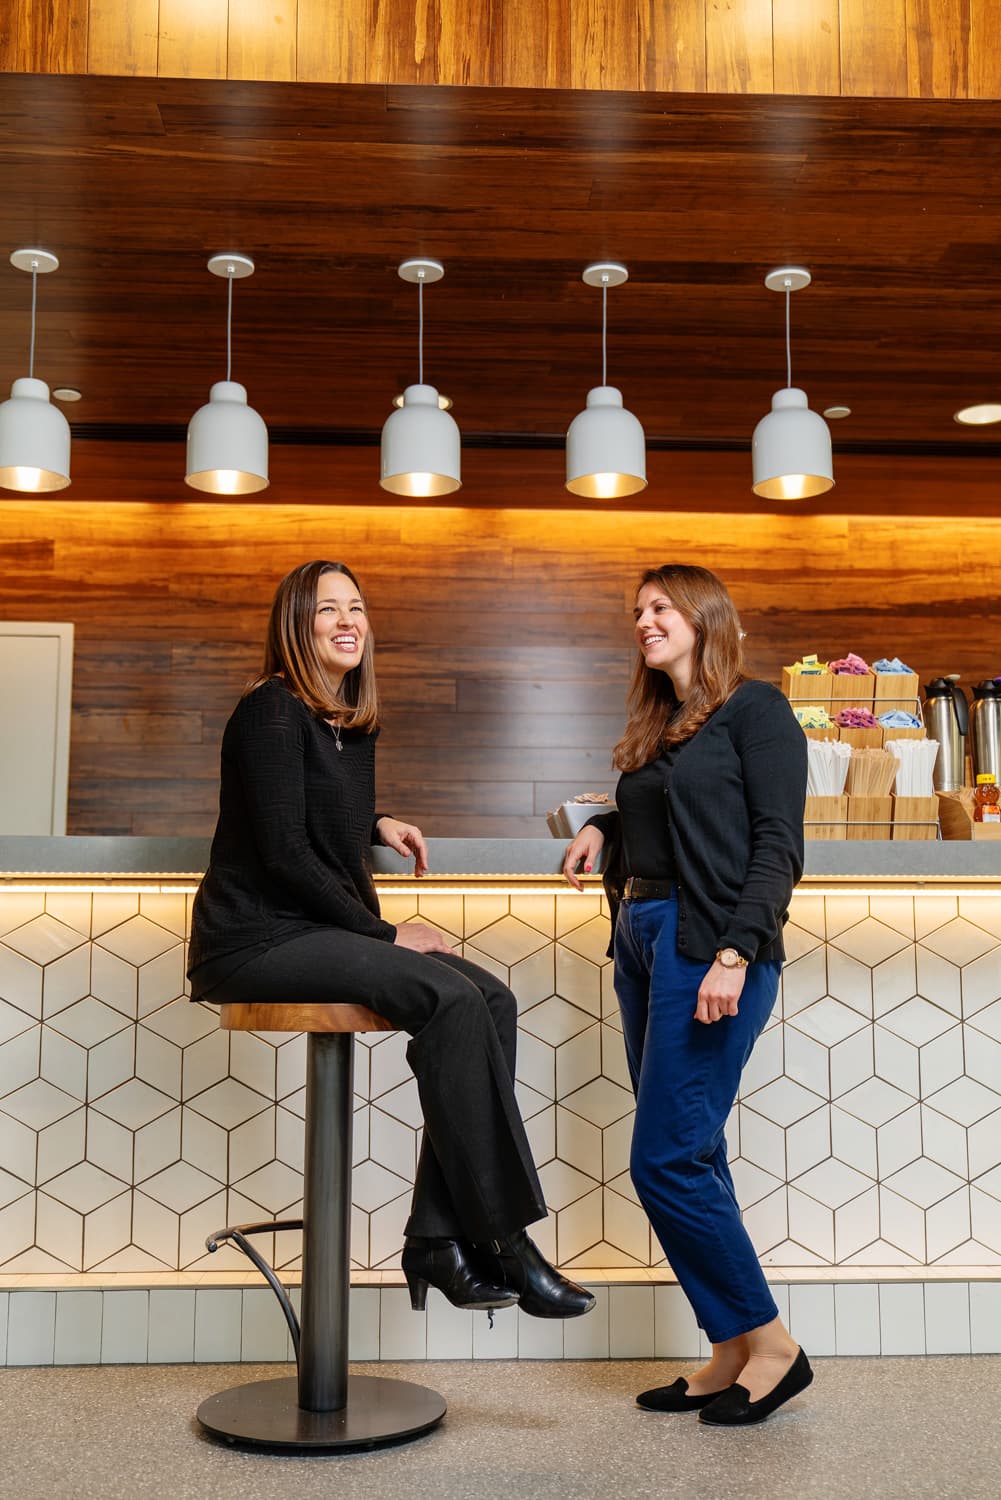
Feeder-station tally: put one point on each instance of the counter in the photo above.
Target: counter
(866, 1143)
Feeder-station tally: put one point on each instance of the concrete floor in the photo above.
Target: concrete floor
(868, 1429)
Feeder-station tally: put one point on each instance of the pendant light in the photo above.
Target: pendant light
(34, 436)
(227, 440)
(606, 450)
(791, 447)
(421, 447)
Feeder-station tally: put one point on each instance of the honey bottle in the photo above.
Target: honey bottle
(986, 799)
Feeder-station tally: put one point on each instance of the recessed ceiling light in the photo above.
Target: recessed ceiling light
(67, 393)
(834, 412)
(979, 416)
(444, 402)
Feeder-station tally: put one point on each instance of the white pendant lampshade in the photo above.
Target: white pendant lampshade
(227, 439)
(606, 448)
(34, 440)
(227, 444)
(791, 450)
(791, 457)
(421, 447)
(34, 435)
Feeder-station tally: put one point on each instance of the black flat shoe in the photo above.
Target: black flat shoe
(674, 1397)
(542, 1291)
(736, 1409)
(449, 1265)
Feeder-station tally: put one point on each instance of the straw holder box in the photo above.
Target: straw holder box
(861, 739)
(915, 818)
(806, 687)
(825, 818)
(903, 734)
(870, 817)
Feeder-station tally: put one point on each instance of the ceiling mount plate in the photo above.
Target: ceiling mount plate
(231, 267)
(606, 273)
(421, 269)
(788, 279)
(41, 261)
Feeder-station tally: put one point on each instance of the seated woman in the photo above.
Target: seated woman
(288, 911)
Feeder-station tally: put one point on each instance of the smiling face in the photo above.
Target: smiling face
(340, 626)
(666, 639)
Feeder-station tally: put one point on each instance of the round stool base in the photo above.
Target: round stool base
(265, 1414)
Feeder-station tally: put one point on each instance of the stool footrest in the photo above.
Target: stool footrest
(238, 1234)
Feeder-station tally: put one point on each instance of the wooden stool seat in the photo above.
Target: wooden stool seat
(237, 1016)
(323, 1409)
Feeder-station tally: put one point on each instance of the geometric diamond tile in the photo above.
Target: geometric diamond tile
(372, 1185)
(965, 1100)
(18, 908)
(578, 1061)
(84, 1187)
(958, 941)
(88, 1022)
(563, 1184)
(133, 1104)
(20, 982)
(875, 1102)
(983, 1059)
(798, 942)
(228, 1103)
(917, 1021)
(924, 1182)
(555, 1020)
(138, 940)
(829, 1021)
(984, 1144)
(981, 983)
(534, 978)
(161, 979)
(942, 1060)
(601, 1102)
(275, 1186)
(870, 942)
(181, 1022)
(783, 1101)
(590, 940)
(933, 911)
(11, 1188)
(850, 980)
(66, 979)
(19, 1060)
(808, 1141)
(944, 1141)
(578, 980)
(894, 981)
(113, 980)
(990, 1182)
(803, 982)
(898, 1142)
(938, 980)
(61, 1145)
(43, 939)
(832, 1183)
(509, 941)
(897, 1061)
(988, 1021)
(180, 1187)
(39, 1103)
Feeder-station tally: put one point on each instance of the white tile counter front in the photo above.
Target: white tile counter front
(866, 1143)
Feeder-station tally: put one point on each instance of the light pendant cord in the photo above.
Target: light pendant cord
(788, 345)
(229, 327)
(34, 298)
(420, 329)
(604, 332)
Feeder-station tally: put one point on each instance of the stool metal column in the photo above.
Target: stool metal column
(325, 1409)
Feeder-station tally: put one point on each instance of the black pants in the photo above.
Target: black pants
(475, 1178)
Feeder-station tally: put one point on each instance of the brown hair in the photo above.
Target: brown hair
(655, 719)
(290, 652)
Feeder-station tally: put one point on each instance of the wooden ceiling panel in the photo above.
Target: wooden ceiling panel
(893, 204)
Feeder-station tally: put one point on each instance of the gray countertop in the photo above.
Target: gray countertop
(172, 857)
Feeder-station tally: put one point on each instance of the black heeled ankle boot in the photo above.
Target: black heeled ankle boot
(448, 1265)
(542, 1291)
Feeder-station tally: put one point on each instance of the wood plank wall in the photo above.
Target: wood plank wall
(504, 636)
(920, 48)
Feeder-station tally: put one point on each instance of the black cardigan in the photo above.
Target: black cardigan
(292, 846)
(734, 805)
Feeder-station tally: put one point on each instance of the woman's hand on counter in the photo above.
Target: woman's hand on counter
(420, 938)
(586, 847)
(719, 993)
(406, 840)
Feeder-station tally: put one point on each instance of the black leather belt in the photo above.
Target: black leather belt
(638, 889)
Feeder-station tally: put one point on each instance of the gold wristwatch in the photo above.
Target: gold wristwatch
(731, 959)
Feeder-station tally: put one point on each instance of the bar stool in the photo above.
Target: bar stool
(323, 1409)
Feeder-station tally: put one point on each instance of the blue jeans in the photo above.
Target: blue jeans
(685, 1076)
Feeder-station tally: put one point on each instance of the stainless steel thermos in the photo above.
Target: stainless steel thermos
(985, 730)
(947, 719)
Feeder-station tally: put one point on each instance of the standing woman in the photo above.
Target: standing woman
(709, 840)
(288, 910)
